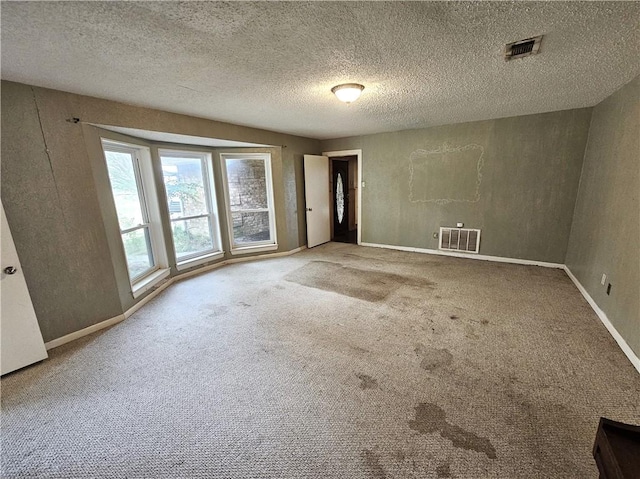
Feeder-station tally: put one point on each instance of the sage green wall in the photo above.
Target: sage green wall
(528, 183)
(52, 202)
(605, 237)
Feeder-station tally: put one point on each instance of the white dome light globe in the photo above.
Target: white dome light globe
(348, 92)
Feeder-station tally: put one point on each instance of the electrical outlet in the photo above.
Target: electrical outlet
(363, 184)
(459, 225)
(609, 289)
(604, 279)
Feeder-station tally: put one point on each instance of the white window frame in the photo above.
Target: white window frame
(257, 246)
(147, 193)
(216, 252)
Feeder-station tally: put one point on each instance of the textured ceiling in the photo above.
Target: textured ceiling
(272, 64)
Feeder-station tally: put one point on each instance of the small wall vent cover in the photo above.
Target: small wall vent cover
(460, 239)
(522, 48)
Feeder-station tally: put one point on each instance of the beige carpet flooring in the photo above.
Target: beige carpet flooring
(337, 362)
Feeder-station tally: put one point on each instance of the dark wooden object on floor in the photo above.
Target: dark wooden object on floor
(617, 450)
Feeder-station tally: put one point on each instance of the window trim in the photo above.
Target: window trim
(147, 194)
(208, 177)
(257, 246)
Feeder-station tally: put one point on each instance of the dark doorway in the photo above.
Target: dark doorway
(342, 198)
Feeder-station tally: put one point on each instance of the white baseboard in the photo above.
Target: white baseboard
(498, 259)
(154, 292)
(626, 349)
(210, 267)
(54, 343)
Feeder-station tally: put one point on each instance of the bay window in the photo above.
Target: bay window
(193, 213)
(134, 195)
(249, 201)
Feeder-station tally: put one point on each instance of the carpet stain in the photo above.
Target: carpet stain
(431, 418)
(372, 464)
(399, 455)
(470, 332)
(432, 358)
(453, 316)
(217, 310)
(358, 349)
(367, 382)
(368, 285)
(444, 470)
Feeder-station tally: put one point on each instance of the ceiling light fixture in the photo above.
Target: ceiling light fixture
(348, 92)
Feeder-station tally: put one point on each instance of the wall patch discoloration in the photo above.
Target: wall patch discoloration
(428, 167)
(367, 382)
(372, 464)
(431, 418)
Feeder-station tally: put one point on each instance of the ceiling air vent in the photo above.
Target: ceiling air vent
(522, 48)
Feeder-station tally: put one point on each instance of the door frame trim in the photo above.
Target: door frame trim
(358, 154)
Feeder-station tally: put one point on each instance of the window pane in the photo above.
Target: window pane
(247, 184)
(250, 227)
(339, 199)
(191, 236)
(137, 248)
(184, 182)
(125, 188)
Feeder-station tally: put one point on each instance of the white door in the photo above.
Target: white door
(317, 197)
(21, 342)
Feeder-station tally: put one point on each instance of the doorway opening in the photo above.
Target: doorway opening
(344, 198)
(333, 212)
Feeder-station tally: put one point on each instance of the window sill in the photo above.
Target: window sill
(254, 249)
(190, 263)
(145, 284)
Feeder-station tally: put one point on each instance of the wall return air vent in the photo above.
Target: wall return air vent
(460, 239)
(522, 48)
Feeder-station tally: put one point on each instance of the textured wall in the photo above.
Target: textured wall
(605, 237)
(51, 197)
(514, 178)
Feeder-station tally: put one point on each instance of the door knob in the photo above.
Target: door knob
(10, 270)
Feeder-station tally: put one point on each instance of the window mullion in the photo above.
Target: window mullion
(141, 189)
(133, 228)
(195, 217)
(250, 210)
(207, 186)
